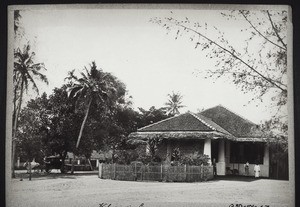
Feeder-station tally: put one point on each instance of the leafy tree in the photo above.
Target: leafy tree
(174, 103)
(95, 87)
(260, 69)
(48, 126)
(64, 123)
(259, 66)
(151, 116)
(25, 73)
(31, 133)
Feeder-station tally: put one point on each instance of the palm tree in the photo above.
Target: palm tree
(174, 103)
(94, 86)
(24, 74)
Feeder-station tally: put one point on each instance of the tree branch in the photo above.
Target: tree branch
(275, 30)
(233, 55)
(284, 48)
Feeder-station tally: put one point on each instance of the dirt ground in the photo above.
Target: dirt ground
(89, 190)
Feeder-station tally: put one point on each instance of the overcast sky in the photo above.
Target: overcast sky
(150, 62)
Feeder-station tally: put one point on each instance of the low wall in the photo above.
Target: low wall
(184, 173)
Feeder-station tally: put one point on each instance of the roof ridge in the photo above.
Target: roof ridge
(214, 123)
(231, 112)
(198, 118)
(159, 121)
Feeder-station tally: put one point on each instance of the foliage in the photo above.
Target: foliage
(151, 116)
(31, 133)
(194, 159)
(259, 66)
(25, 73)
(95, 89)
(174, 103)
(152, 145)
(270, 65)
(64, 123)
(176, 154)
(125, 156)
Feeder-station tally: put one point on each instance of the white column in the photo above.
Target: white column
(207, 149)
(221, 167)
(97, 163)
(266, 155)
(100, 170)
(18, 162)
(78, 162)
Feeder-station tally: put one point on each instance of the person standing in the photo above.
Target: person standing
(256, 170)
(246, 168)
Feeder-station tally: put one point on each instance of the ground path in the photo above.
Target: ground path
(88, 190)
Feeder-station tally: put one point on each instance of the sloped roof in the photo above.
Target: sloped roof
(216, 122)
(183, 122)
(231, 122)
(212, 124)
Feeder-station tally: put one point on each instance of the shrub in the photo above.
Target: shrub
(125, 156)
(194, 159)
(149, 160)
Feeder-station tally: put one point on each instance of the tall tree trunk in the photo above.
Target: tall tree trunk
(29, 170)
(73, 163)
(91, 166)
(83, 123)
(15, 123)
(63, 157)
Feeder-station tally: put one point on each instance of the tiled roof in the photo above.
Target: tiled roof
(183, 122)
(231, 122)
(218, 120)
(212, 124)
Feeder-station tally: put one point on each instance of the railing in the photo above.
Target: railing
(139, 172)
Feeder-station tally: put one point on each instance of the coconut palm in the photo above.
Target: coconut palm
(174, 103)
(25, 73)
(94, 86)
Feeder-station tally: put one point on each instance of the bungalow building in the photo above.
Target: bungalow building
(217, 132)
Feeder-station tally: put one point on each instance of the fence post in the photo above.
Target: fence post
(100, 170)
(142, 170)
(185, 174)
(135, 173)
(114, 171)
(161, 172)
(201, 172)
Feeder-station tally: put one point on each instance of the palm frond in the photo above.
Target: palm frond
(41, 76)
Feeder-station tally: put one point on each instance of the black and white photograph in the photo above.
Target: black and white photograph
(141, 105)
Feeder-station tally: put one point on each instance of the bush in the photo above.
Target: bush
(125, 156)
(194, 159)
(149, 160)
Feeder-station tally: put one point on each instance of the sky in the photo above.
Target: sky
(141, 54)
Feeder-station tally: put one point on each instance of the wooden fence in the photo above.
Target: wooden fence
(138, 172)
